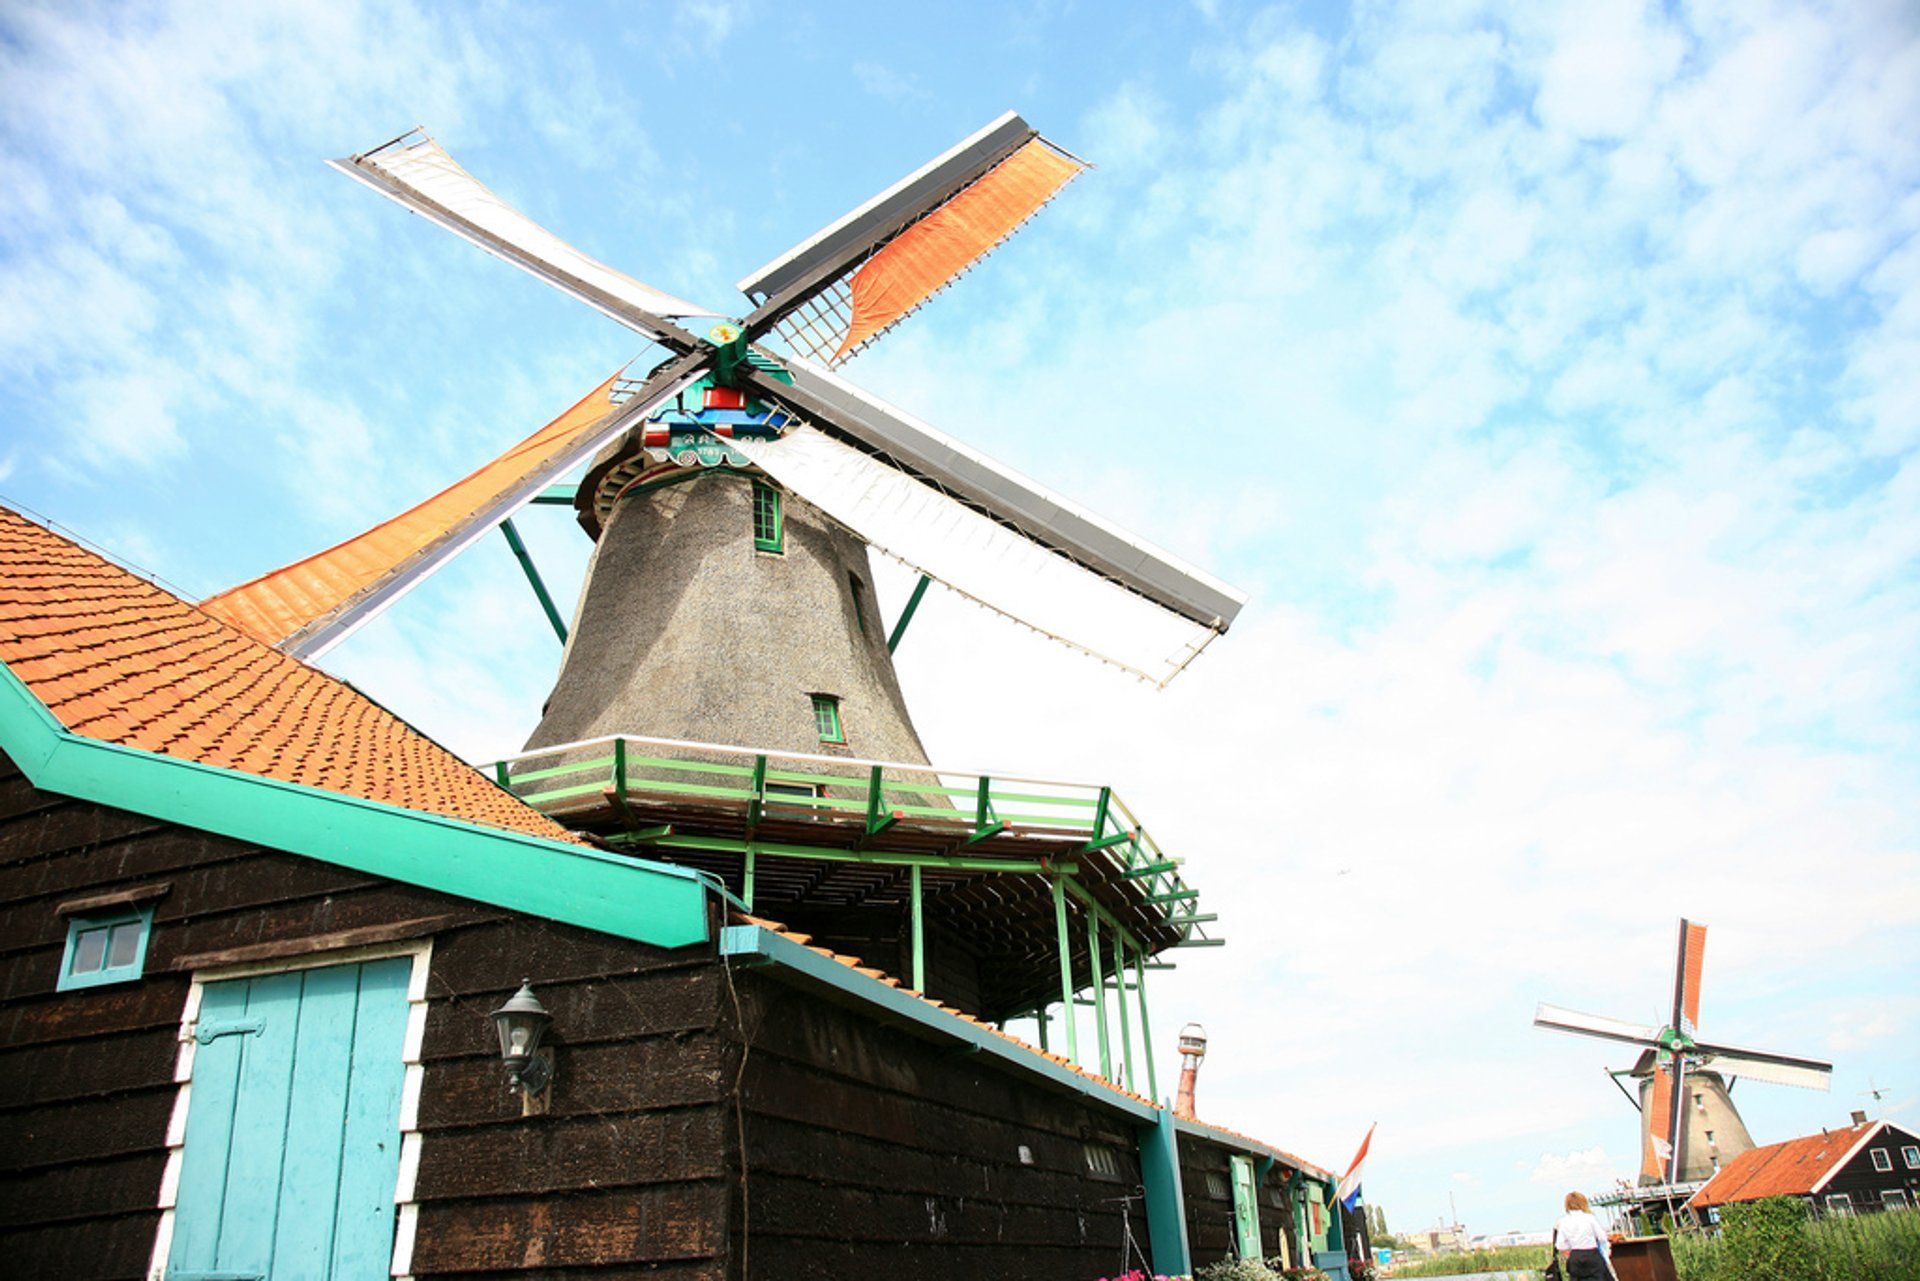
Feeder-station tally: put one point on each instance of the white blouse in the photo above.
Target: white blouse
(1579, 1230)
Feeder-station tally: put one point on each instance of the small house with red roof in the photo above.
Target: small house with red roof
(1863, 1168)
(256, 930)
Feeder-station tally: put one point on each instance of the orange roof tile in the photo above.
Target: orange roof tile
(120, 660)
(1793, 1168)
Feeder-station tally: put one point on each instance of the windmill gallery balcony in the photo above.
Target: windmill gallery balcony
(991, 894)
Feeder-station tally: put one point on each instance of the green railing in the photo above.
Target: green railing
(632, 770)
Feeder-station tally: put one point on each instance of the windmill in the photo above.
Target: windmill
(1687, 1117)
(688, 626)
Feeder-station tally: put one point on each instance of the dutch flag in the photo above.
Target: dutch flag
(1348, 1193)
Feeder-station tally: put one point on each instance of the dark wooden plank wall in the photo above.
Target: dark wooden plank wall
(873, 1153)
(627, 1175)
(1206, 1176)
(1864, 1184)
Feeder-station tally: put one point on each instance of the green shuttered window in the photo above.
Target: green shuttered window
(768, 533)
(826, 718)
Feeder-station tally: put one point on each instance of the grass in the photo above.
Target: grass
(1505, 1258)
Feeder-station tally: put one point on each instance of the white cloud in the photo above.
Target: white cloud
(1585, 1168)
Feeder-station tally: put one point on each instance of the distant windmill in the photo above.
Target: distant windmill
(1687, 1117)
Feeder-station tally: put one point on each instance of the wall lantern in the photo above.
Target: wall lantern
(521, 1022)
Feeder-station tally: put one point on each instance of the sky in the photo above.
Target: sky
(1548, 376)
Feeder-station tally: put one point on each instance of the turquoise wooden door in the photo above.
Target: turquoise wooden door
(293, 1128)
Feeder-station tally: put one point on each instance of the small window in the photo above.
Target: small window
(1839, 1203)
(768, 533)
(859, 609)
(1910, 1156)
(1894, 1199)
(1882, 1159)
(1217, 1185)
(1102, 1163)
(826, 718)
(106, 947)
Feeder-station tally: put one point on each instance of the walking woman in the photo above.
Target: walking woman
(1582, 1242)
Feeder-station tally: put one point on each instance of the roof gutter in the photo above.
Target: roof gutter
(649, 902)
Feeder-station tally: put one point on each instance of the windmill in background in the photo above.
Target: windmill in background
(1688, 1124)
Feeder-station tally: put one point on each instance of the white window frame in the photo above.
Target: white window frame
(1882, 1160)
(1839, 1203)
(1910, 1156)
(408, 1211)
(1895, 1199)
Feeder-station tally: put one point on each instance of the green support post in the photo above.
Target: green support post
(1166, 1200)
(746, 881)
(1099, 993)
(1126, 1023)
(755, 805)
(1100, 813)
(906, 615)
(1146, 1028)
(919, 937)
(1066, 970)
(533, 577)
(500, 774)
(878, 818)
(620, 769)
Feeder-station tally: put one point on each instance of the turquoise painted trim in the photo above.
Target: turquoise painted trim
(631, 898)
(1166, 1199)
(757, 943)
(107, 973)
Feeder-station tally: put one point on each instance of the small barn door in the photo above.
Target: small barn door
(1246, 1210)
(293, 1138)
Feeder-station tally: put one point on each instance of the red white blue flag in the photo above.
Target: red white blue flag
(1348, 1193)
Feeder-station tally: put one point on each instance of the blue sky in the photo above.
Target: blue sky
(1547, 378)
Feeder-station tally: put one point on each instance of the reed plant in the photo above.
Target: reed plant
(1777, 1240)
(1502, 1258)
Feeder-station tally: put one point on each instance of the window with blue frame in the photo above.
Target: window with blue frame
(106, 946)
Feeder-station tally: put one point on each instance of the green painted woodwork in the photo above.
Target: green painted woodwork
(652, 902)
(826, 718)
(747, 871)
(556, 495)
(1166, 1199)
(1246, 1208)
(1062, 945)
(830, 854)
(1175, 896)
(1152, 869)
(1126, 1021)
(751, 942)
(1146, 1028)
(906, 615)
(525, 558)
(1096, 963)
(919, 934)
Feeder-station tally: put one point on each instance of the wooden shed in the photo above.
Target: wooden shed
(255, 928)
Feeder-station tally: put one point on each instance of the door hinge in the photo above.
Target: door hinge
(206, 1034)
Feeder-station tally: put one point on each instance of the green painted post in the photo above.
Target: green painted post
(500, 774)
(620, 769)
(755, 805)
(1126, 1023)
(1099, 992)
(746, 886)
(1100, 814)
(1166, 1200)
(983, 805)
(906, 615)
(1146, 1029)
(919, 937)
(533, 577)
(1066, 970)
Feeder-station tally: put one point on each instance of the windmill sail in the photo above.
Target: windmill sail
(837, 292)
(1775, 1069)
(311, 605)
(1689, 958)
(417, 172)
(1594, 1025)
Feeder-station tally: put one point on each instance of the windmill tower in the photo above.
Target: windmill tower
(1688, 1124)
(734, 494)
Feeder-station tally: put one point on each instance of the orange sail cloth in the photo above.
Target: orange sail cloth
(1693, 944)
(278, 605)
(921, 261)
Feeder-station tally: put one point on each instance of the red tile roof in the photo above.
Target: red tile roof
(1794, 1168)
(118, 659)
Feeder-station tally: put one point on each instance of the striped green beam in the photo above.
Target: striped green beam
(1126, 1023)
(919, 935)
(1066, 969)
(1146, 1028)
(827, 854)
(906, 615)
(1099, 993)
(533, 577)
